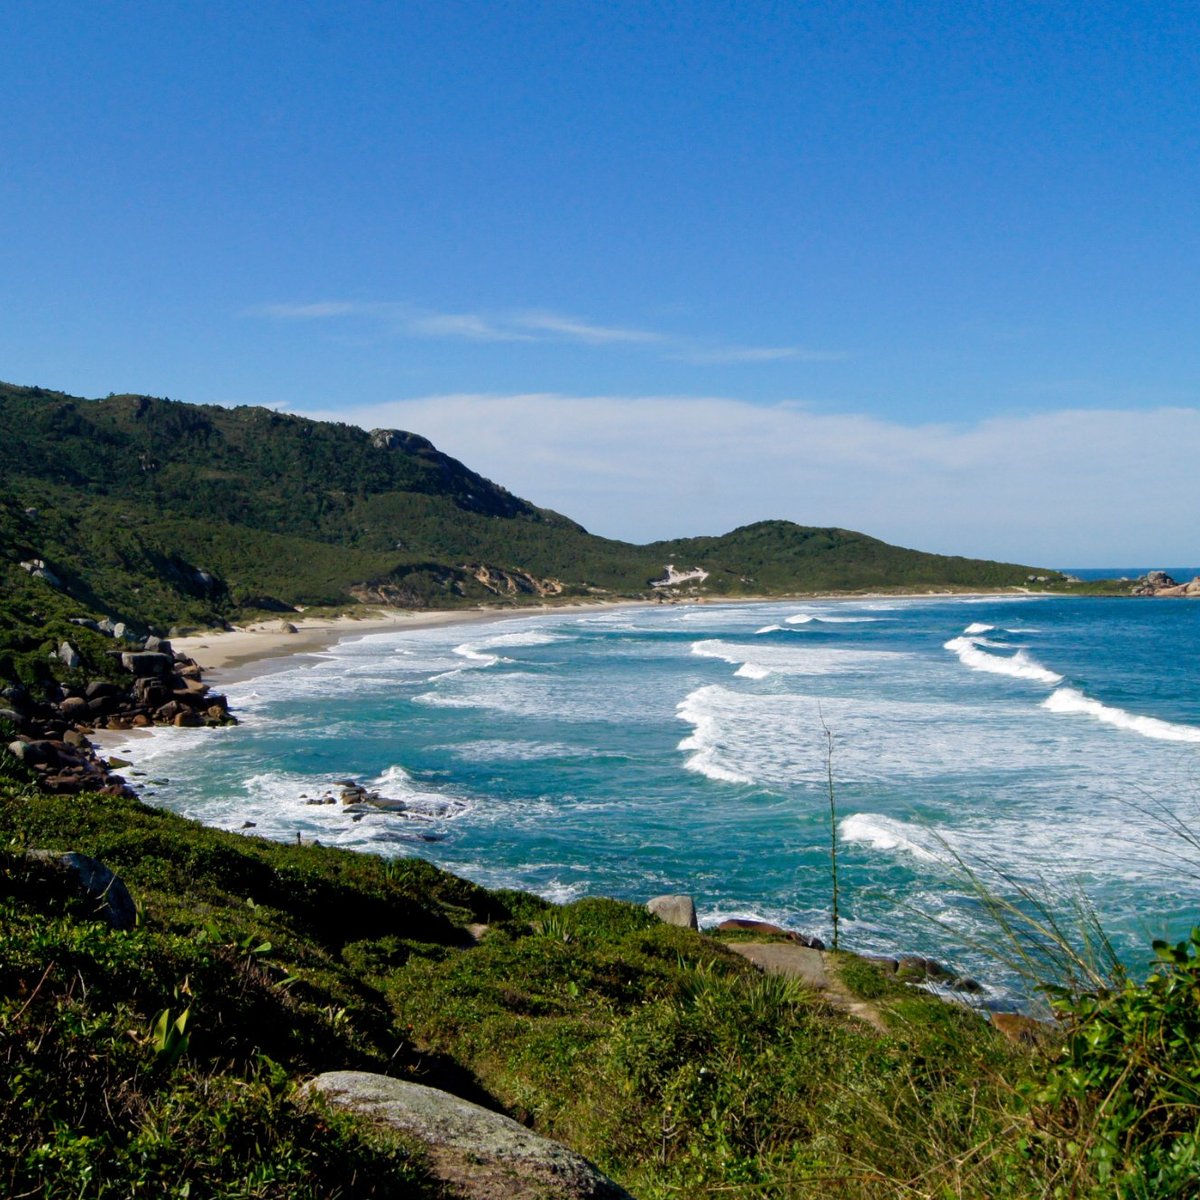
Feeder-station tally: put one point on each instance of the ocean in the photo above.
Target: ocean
(1050, 744)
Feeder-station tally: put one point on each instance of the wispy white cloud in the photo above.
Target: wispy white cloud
(315, 311)
(573, 329)
(1055, 488)
(757, 354)
(534, 325)
(466, 325)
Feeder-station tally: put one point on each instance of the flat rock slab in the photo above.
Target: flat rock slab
(777, 959)
(482, 1155)
(808, 964)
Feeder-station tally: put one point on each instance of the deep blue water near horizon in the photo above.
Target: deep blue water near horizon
(1181, 574)
(634, 751)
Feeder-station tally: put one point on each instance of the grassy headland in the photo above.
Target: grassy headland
(653, 1050)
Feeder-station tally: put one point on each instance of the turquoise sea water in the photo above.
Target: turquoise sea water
(634, 751)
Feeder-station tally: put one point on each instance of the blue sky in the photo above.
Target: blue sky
(925, 270)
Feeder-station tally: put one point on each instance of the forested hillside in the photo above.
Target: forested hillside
(163, 513)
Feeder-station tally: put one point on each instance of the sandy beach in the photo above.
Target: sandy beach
(228, 656)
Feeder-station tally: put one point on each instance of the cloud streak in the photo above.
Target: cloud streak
(1064, 488)
(757, 354)
(574, 330)
(465, 325)
(534, 325)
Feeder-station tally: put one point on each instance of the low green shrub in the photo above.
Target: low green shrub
(1122, 1099)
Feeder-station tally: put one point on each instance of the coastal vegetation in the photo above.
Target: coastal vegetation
(142, 1061)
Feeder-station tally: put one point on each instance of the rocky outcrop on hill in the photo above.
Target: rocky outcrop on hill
(479, 1154)
(513, 583)
(674, 910)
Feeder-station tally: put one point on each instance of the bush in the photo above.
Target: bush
(1123, 1098)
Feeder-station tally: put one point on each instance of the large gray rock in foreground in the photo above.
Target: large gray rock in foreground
(675, 910)
(480, 1154)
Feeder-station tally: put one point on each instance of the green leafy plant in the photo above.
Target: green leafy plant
(1124, 1092)
(169, 1038)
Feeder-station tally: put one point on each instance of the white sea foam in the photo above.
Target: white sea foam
(978, 627)
(476, 655)
(480, 651)
(769, 629)
(1018, 666)
(1069, 701)
(705, 739)
(886, 833)
(800, 619)
(753, 671)
(394, 775)
(794, 659)
(529, 637)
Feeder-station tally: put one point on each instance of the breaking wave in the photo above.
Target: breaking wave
(809, 618)
(704, 741)
(1017, 666)
(753, 671)
(886, 833)
(1070, 702)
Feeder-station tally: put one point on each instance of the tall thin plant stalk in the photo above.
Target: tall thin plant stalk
(833, 845)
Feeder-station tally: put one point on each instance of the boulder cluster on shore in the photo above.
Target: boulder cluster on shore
(163, 687)
(1159, 583)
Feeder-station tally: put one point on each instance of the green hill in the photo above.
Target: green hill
(162, 513)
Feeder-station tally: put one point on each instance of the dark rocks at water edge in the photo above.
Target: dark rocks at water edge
(358, 800)
(165, 688)
(742, 925)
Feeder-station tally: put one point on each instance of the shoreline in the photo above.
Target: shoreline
(233, 656)
(262, 648)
